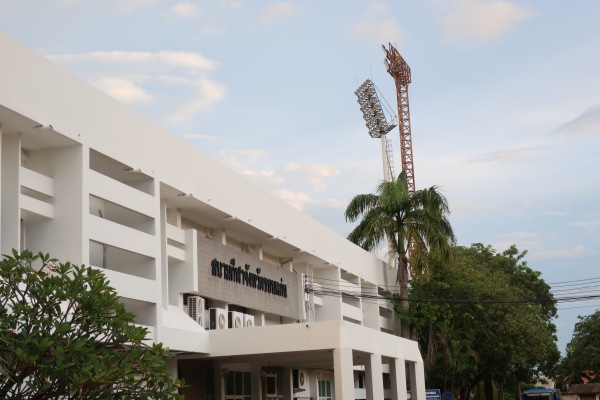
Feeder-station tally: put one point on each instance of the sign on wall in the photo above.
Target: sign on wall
(239, 278)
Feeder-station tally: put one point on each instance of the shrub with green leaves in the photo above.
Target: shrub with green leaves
(64, 335)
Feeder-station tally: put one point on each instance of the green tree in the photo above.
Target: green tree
(417, 220)
(582, 360)
(64, 335)
(484, 321)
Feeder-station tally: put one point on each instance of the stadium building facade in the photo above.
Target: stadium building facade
(254, 299)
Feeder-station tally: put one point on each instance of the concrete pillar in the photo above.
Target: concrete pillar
(171, 367)
(398, 379)
(10, 193)
(256, 381)
(219, 380)
(1, 186)
(287, 383)
(343, 373)
(313, 385)
(374, 377)
(417, 380)
(162, 261)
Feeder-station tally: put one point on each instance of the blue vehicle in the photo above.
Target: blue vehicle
(540, 393)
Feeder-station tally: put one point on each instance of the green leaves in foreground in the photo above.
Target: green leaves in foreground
(63, 334)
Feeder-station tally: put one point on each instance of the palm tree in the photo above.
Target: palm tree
(413, 224)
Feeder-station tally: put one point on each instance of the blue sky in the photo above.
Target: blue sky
(505, 103)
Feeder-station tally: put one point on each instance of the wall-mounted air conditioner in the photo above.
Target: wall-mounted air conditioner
(300, 380)
(248, 321)
(303, 379)
(218, 318)
(196, 309)
(235, 320)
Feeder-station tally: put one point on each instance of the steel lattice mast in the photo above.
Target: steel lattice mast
(400, 71)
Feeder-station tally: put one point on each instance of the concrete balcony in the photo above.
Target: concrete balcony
(352, 312)
(36, 181)
(113, 234)
(132, 286)
(119, 193)
(37, 191)
(36, 206)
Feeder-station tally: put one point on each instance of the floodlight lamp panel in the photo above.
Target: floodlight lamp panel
(365, 108)
(374, 133)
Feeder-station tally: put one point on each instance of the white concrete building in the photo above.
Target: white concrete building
(255, 299)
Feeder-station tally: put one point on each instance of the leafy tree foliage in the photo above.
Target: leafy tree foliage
(477, 324)
(582, 361)
(64, 335)
(393, 213)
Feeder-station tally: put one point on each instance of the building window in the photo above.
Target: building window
(325, 390)
(237, 385)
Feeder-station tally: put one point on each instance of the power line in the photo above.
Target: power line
(345, 284)
(572, 308)
(360, 295)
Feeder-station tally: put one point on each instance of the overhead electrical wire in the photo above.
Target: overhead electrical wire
(562, 292)
(572, 308)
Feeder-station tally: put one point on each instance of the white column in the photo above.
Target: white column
(219, 380)
(313, 384)
(256, 381)
(417, 380)
(398, 379)
(171, 367)
(343, 373)
(1, 188)
(162, 260)
(374, 377)
(11, 190)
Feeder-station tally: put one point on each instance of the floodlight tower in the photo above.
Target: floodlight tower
(400, 71)
(377, 124)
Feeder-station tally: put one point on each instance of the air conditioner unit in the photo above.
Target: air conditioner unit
(218, 318)
(248, 321)
(302, 379)
(235, 320)
(196, 309)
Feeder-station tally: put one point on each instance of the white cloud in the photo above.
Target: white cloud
(315, 174)
(509, 156)
(553, 213)
(589, 225)
(179, 59)
(277, 12)
(481, 21)
(130, 6)
(184, 10)
(233, 4)
(124, 90)
(472, 210)
(299, 200)
(295, 199)
(209, 94)
(199, 136)
(565, 252)
(242, 158)
(260, 177)
(335, 203)
(524, 240)
(129, 77)
(586, 123)
(377, 26)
